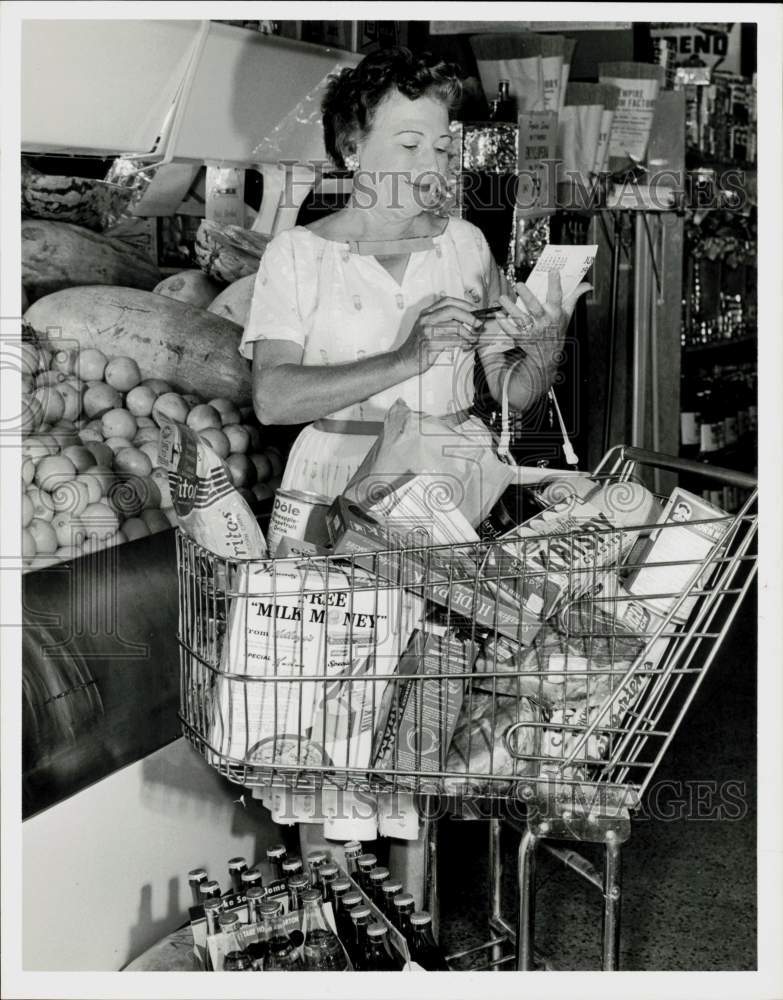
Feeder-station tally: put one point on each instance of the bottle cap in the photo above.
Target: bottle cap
(403, 899)
(275, 851)
(228, 919)
(251, 876)
(255, 892)
(299, 881)
(292, 864)
(360, 912)
(379, 875)
(198, 875)
(367, 861)
(377, 930)
(271, 906)
(353, 847)
(237, 864)
(209, 888)
(342, 885)
(329, 871)
(310, 895)
(213, 904)
(391, 888)
(317, 858)
(420, 918)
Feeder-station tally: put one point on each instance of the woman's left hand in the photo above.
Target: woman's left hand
(540, 325)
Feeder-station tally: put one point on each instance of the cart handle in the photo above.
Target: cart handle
(622, 453)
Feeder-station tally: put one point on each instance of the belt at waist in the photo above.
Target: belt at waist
(372, 428)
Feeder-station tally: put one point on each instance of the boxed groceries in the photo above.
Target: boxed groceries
(417, 717)
(449, 576)
(676, 556)
(556, 555)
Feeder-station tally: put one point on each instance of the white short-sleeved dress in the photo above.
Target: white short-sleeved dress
(340, 306)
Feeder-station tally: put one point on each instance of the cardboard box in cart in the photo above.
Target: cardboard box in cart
(449, 577)
(418, 717)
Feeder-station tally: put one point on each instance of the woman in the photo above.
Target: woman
(375, 302)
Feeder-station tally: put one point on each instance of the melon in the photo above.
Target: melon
(193, 287)
(192, 349)
(58, 255)
(85, 201)
(234, 302)
(228, 253)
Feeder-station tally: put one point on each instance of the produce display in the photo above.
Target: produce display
(111, 347)
(183, 344)
(193, 287)
(58, 255)
(228, 253)
(90, 472)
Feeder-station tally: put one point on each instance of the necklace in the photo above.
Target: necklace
(380, 248)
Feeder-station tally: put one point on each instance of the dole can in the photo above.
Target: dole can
(298, 515)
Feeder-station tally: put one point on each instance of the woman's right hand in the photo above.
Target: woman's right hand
(444, 325)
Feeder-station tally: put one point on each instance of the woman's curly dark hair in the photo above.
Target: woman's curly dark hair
(353, 95)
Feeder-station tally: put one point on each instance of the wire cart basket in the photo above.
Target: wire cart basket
(547, 673)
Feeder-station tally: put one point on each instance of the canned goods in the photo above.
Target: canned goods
(298, 515)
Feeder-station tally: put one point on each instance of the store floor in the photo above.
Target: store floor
(689, 884)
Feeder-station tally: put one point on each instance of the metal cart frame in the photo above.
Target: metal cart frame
(573, 795)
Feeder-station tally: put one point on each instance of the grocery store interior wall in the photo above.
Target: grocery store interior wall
(105, 872)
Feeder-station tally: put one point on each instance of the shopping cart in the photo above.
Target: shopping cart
(530, 676)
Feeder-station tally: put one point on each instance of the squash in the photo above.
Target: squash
(193, 287)
(192, 349)
(58, 255)
(228, 253)
(234, 302)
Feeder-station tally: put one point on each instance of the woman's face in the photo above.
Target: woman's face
(403, 158)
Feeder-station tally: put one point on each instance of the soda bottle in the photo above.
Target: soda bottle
(329, 875)
(337, 889)
(291, 866)
(345, 903)
(365, 863)
(315, 862)
(352, 850)
(235, 868)
(361, 917)
(404, 906)
(276, 855)
(209, 890)
(211, 914)
(379, 955)
(421, 943)
(322, 949)
(255, 896)
(196, 879)
(235, 958)
(389, 890)
(282, 955)
(250, 877)
(297, 884)
(376, 879)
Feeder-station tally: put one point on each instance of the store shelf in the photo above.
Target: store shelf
(721, 345)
